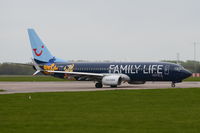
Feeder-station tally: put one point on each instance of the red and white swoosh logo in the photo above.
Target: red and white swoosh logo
(38, 53)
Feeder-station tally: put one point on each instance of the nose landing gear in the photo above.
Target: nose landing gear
(173, 84)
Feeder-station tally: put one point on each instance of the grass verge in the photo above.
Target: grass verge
(29, 78)
(192, 79)
(141, 111)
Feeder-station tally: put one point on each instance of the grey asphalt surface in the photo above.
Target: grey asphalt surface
(29, 87)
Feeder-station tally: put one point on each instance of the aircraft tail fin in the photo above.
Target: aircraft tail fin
(39, 50)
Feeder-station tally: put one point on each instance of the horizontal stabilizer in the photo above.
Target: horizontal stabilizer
(38, 69)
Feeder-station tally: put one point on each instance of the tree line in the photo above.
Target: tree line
(27, 69)
(16, 69)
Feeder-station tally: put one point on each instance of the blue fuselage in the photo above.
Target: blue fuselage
(136, 71)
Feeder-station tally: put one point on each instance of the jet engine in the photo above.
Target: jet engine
(112, 80)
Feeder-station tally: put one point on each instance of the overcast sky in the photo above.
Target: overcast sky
(129, 30)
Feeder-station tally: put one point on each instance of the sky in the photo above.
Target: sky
(97, 30)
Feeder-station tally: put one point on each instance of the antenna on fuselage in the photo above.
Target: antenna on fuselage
(177, 58)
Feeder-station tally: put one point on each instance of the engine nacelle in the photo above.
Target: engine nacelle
(136, 82)
(112, 80)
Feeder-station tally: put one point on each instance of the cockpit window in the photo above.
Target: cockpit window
(179, 68)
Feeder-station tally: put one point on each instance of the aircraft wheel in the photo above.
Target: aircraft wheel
(173, 84)
(98, 85)
(113, 86)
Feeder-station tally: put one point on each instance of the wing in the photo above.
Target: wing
(80, 75)
(89, 76)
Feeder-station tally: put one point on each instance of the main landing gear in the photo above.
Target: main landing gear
(173, 84)
(98, 85)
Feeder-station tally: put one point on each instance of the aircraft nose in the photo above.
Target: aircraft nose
(186, 74)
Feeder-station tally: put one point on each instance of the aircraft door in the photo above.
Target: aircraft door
(166, 70)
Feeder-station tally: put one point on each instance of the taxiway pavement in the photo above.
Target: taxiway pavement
(29, 87)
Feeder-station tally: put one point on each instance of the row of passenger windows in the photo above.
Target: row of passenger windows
(88, 69)
(133, 69)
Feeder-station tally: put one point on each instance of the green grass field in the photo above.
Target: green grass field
(192, 79)
(28, 78)
(117, 111)
(16, 78)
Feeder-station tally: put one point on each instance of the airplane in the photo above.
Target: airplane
(110, 74)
